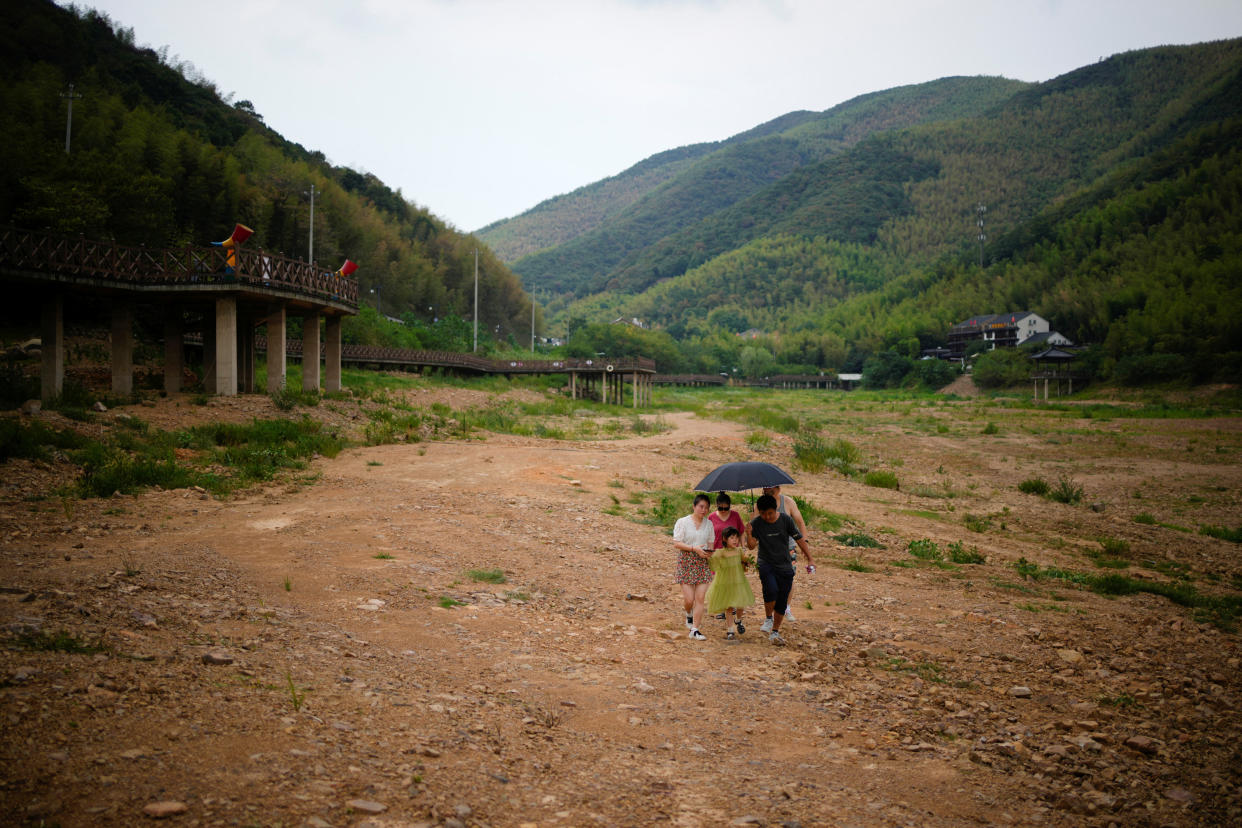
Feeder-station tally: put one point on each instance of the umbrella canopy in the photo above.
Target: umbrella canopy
(736, 477)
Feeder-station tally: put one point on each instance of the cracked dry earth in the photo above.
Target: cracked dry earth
(284, 658)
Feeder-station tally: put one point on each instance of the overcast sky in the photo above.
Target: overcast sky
(480, 109)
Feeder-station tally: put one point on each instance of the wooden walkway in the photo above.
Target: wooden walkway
(194, 286)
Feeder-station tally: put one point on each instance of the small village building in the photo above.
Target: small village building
(998, 330)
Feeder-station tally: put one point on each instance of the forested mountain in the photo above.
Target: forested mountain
(595, 232)
(1113, 210)
(160, 158)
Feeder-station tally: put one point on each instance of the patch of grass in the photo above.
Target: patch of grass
(1223, 533)
(1115, 547)
(448, 603)
(61, 641)
(35, 440)
(990, 428)
(977, 523)
(1221, 609)
(1067, 490)
(1035, 486)
(926, 670)
(490, 576)
(855, 565)
(859, 539)
(288, 584)
(882, 479)
(943, 491)
(959, 554)
(382, 556)
(1146, 518)
(818, 518)
(759, 440)
(925, 549)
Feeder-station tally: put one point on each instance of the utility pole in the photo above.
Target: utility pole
(981, 210)
(69, 121)
(310, 250)
(476, 300)
(532, 324)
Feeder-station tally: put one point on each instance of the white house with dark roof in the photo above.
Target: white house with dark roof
(1001, 330)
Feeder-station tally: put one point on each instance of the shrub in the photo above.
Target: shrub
(925, 549)
(977, 523)
(1035, 486)
(1066, 491)
(959, 554)
(881, 479)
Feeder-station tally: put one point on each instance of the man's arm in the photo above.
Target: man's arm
(806, 550)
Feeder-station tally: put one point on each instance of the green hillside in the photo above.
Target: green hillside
(736, 169)
(159, 158)
(1113, 211)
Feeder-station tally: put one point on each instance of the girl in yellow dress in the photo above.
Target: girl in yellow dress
(730, 591)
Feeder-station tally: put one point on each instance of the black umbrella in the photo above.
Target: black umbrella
(736, 477)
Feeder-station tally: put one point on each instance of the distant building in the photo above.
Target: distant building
(1002, 330)
(633, 322)
(752, 333)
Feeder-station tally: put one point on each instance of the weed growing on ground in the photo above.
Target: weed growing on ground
(882, 479)
(382, 556)
(61, 641)
(297, 696)
(959, 554)
(490, 576)
(1035, 486)
(925, 549)
(1066, 491)
(1221, 610)
(1231, 535)
(448, 603)
(858, 539)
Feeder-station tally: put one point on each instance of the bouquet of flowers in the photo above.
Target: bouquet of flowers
(748, 561)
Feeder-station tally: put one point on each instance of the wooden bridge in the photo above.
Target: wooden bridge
(194, 282)
(604, 379)
(225, 301)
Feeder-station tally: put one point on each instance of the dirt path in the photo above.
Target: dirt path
(365, 676)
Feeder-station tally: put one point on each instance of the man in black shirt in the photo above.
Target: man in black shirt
(771, 532)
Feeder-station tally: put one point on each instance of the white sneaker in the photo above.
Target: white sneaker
(695, 635)
(776, 639)
(789, 614)
(767, 625)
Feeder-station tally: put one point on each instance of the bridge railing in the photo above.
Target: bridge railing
(191, 264)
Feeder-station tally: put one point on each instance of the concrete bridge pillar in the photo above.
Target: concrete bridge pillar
(52, 331)
(122, 348)
(226, 346)
(245, 353)
(276, 350)
(332, 353)
(310, 352)
(174, 350)
(209, 355)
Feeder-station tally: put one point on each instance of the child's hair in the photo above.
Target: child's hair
(729, 532)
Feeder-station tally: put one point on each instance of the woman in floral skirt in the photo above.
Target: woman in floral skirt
(693, 538)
